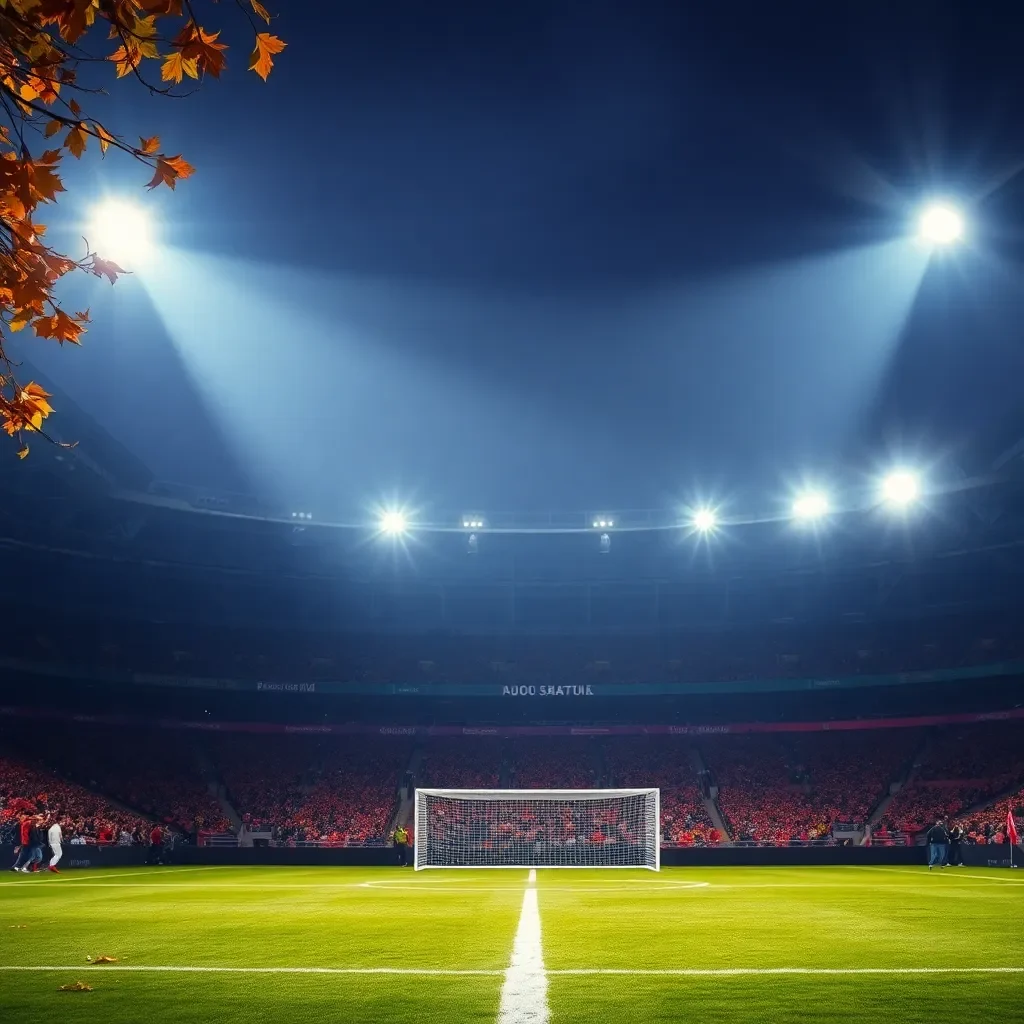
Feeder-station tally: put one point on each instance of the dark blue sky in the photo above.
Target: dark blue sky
(572, 255)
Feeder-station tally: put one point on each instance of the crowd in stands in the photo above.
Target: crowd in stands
(665, 763)
(771, 789)
(958, 768)
(570, 763)
(790, 787)
(466, 763)
(88, 818)
(303, 789)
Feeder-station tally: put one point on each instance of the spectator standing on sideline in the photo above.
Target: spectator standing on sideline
(402, 845)
(55, 837)
(156, 846)
(35, 844)
(956, 835)
(938, 845)
(21, 854)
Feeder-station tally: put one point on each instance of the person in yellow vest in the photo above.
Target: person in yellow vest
(401, 838)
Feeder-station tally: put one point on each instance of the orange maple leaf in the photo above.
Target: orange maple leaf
(52, 128)
(261, 60)
(23, 452)
(104, 136)
(168, 170)
(60, 327)
(260, 10)
(197, 44)
(149, 146)
(175, 65)
(75, 141)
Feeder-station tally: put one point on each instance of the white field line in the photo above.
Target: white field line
(953, 873)
(531, 878)
(441, 972)
(524, 993)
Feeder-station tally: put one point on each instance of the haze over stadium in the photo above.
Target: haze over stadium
(537, 534)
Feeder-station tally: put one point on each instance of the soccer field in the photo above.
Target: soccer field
(713, 944)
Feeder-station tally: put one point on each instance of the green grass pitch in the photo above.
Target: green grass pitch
(717, 944)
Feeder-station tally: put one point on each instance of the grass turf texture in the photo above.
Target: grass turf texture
(742, 919)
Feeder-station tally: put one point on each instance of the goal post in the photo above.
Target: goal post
(537, 828)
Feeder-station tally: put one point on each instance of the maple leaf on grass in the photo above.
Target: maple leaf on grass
(261, 60)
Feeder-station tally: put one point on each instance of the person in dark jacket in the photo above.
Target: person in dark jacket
(938, 845)
(956, 835)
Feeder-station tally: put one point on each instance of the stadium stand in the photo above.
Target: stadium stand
(665, 763)
(782, 789)
(960, 768)
(313, 789)
(774, 789)
(153, 771)
(90, 818)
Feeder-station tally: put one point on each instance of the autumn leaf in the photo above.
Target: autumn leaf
(20, 319)
(126, 60)
(197, 44)
(261, 60)
(39, 53)
(104, 136)
(175, 65)
(169, 169)
(106, 268)
(60, 327)
(75, 141)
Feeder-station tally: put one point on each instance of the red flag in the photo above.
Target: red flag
(1011, 828)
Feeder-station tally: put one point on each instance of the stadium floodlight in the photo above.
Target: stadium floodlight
(537, 828)
(704, 520)
(393, 523)
(900, 488)
(472, 522)
(121, 231)
(941, 224)
(811, 505)
(604, 523)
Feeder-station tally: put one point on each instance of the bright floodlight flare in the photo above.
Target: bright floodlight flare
(811, 505)
(901, 488)
(122, 232)
(393, 523)
(704, 520)
(941, 224)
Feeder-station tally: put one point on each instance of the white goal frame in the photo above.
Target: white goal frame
(536, 794)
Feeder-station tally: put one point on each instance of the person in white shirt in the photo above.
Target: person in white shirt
(54, 837)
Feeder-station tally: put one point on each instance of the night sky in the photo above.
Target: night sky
(570, 256)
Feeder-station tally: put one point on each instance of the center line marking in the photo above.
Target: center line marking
(524, 993)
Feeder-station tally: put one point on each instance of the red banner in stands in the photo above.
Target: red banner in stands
(501, 731)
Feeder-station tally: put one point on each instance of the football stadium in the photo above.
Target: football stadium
(535, 532)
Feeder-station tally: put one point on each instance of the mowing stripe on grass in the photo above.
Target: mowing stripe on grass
(444, 972)
(524, 994)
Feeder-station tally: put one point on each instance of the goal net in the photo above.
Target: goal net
(537, 828)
